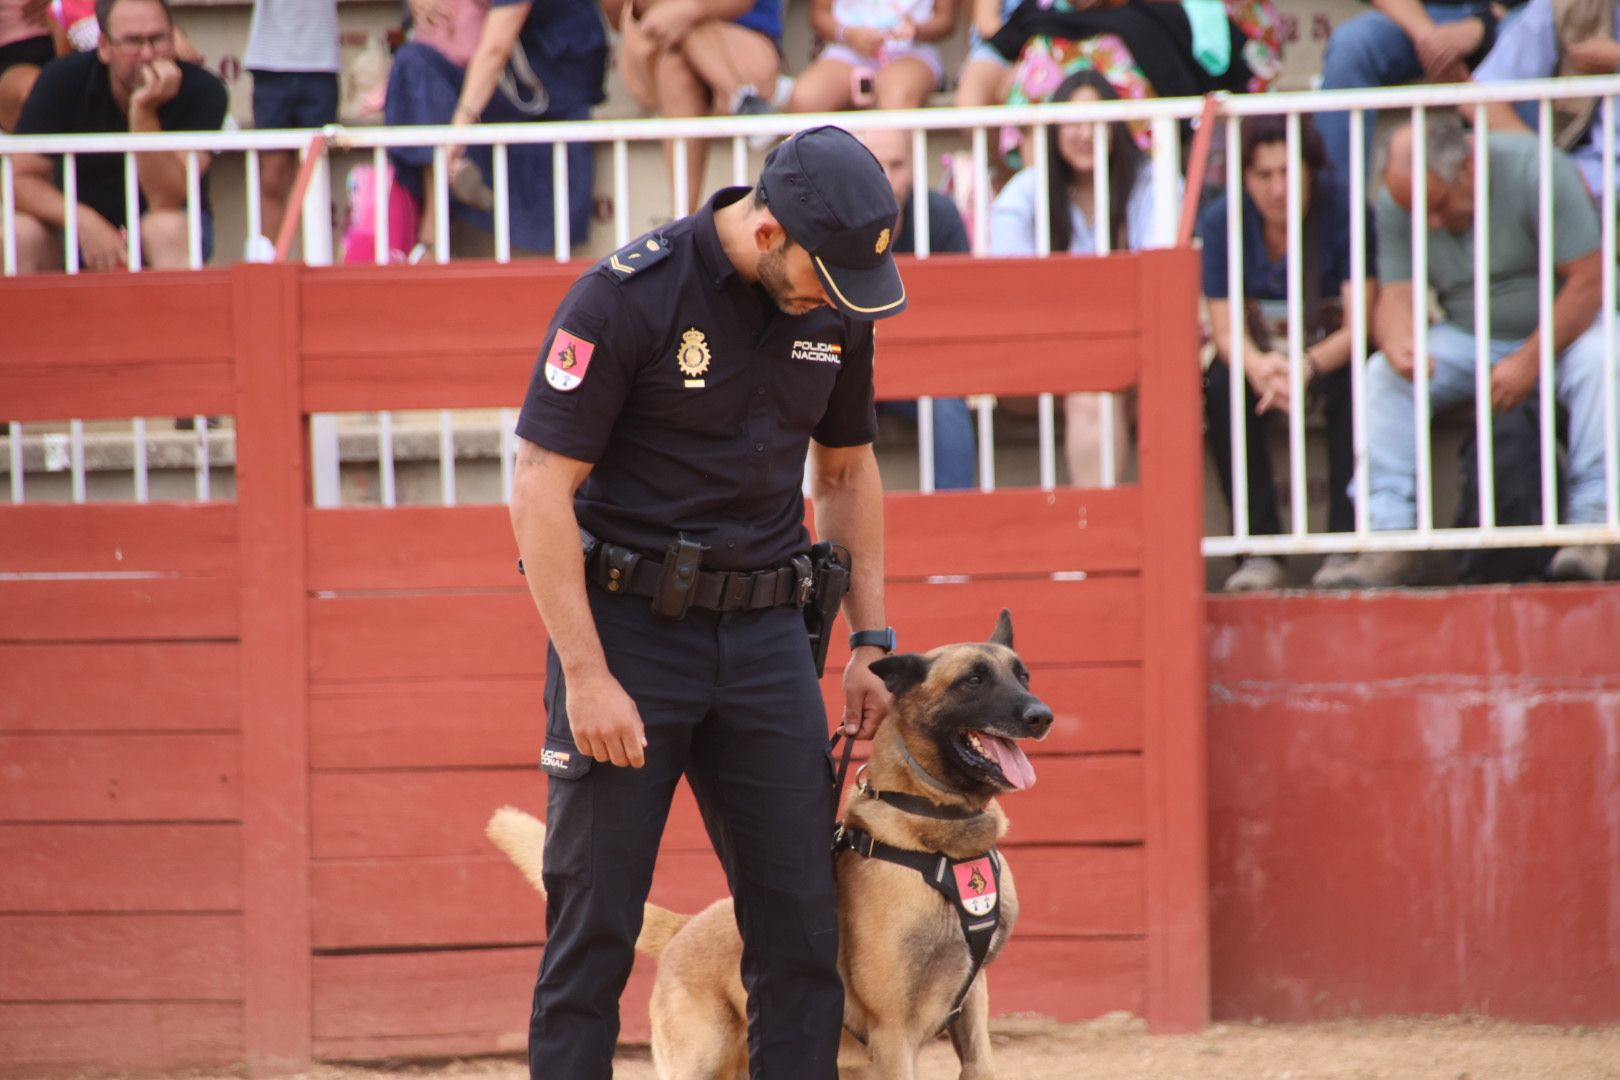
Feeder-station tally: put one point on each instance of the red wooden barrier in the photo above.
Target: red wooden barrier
(262, 739)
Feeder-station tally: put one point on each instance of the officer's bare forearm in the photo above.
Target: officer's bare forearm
(847, 492)
(547, 533)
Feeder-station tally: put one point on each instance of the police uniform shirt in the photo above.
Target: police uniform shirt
(694, 397)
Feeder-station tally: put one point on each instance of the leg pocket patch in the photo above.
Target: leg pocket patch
(560, 758)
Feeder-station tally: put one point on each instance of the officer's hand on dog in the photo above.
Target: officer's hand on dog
(866, 699)
(605, 721)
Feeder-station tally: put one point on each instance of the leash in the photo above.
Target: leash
(843, 767)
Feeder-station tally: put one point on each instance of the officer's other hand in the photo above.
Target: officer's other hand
(866, 699)
(605, 721)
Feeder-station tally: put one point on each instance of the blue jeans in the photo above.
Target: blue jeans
(1370, 50)
(1391, 434)
(954, 448)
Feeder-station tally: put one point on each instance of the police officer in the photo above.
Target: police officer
(682, 383)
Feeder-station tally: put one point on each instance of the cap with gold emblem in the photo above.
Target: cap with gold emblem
(830, 195)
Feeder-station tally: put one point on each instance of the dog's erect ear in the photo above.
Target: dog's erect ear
(1003, 632)
(902, 672)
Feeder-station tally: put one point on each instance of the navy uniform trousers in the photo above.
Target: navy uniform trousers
(731, 701)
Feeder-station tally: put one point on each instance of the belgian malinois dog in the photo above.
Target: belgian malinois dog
(925, 901)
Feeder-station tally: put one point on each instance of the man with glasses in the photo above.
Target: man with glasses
(131, 82)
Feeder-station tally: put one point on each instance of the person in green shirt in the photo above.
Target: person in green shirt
(1513, 318)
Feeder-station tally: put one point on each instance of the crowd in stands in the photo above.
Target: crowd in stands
(125, 66)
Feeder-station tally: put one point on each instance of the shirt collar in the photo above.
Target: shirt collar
(717, 267)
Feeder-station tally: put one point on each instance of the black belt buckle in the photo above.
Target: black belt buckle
(678, 578)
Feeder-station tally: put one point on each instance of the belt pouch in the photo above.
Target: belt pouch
(677, 578)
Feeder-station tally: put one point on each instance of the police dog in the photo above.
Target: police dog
(948, 747)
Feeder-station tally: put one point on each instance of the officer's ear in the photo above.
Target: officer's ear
(768, 233)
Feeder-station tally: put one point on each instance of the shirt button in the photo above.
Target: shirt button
(759, 390)
(759, 448)
(731, 543)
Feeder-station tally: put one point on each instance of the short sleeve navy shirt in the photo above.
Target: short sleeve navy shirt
(695, 398)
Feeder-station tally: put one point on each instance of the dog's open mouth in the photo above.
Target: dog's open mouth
(1000, 758)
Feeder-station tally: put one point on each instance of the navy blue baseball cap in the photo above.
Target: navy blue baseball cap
(830, 195)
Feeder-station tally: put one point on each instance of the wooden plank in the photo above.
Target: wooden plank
(119, 609)
(1069, 978)
(152, 348)
(412, 547)
(1018, 533)
(128, 687)
(1069, 890)
(501, 721)
(442, 812)
(102, 777)
(271, 455)
(464, 1003)
(424, 637)
(481, 634)
(364, 904)
(1174, 747)
(1014, 533)
(41, 1040)
(89, 868)
(495, 721)
(111, 538)
(121, 957)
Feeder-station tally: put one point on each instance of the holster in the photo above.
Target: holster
(829, 573)
(677, 578)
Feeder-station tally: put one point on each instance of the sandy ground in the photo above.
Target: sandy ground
(1119, 1048)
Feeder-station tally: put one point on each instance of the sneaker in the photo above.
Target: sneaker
(1330, 569)
(1257, 573)
(1579, 562)
(1373, 570)
(747, 102)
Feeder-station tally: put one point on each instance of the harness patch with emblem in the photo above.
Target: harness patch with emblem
(566, 361)
(629, 261)
(976, 885)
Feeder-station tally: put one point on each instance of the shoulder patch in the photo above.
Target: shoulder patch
(633, 259)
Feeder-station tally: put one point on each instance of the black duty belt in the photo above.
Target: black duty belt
(630, 573)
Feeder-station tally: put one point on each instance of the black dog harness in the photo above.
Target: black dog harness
(971, 886)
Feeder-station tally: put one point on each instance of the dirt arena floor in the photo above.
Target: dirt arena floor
(1119, 1048)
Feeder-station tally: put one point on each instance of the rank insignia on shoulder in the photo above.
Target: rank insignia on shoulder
(631, 260)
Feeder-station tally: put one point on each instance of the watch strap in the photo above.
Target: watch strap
(883, 638)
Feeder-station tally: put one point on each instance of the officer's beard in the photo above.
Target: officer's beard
(773, 278)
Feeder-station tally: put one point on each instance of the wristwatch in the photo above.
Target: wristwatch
(883, 639)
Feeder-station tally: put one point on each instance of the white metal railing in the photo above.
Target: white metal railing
(939, 126)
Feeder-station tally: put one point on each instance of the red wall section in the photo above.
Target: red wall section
(1415, 804)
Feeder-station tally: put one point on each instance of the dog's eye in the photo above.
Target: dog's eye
(1023, 678)
(975, 680)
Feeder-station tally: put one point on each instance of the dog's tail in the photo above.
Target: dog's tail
(522, 838)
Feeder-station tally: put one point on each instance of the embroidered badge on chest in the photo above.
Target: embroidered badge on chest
(566, 361)
(692, 357)
(976, 885)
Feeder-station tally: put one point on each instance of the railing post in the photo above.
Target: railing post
(271, 502)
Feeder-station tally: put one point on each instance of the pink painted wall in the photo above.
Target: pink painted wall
(1415, 804)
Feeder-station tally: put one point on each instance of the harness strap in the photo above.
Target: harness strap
(979, 914)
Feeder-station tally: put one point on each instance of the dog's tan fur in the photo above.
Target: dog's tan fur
(901, 949)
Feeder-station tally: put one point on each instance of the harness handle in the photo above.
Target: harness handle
(843, 767)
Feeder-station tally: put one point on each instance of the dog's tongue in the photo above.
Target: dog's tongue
(1009, 759)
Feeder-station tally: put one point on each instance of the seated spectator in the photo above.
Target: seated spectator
(1326, 232)
(954, 454)
(1142, 49)
(292, 54)
(1570, 37)
(1516, 336)
(877, 53)
(679, 61)
(25, 47)
(986, 75)
(1072, 183)
(535, 60)
(132, 82)
(1400, 41)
